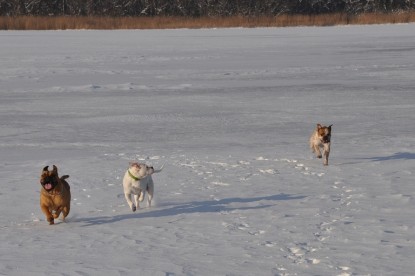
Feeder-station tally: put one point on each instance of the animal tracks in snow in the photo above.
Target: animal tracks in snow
(340, 196)
(299, 254)
(268, 171)
(302, 168)
(239, 224)
(227, 174)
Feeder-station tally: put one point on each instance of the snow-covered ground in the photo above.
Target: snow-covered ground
(229, 112)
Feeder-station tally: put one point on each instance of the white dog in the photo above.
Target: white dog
(137, 180)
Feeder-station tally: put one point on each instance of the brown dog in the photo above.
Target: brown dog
(55, 196)
(321, 138)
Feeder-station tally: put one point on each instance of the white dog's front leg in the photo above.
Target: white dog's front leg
(130, 203)
(142, 195)
(150, 190)
(136, 199)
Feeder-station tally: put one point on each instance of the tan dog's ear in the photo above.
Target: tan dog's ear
(55, 170)
(319, 126)
(45, 169)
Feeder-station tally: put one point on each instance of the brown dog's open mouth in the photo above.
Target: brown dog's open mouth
(48, 183)
(48, 186)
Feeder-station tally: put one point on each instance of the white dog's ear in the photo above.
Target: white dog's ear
(134, 164)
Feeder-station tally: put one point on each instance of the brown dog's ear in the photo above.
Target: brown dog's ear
(55, 169)
(45, 169)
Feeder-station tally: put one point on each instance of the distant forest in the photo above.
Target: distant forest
(197, 8)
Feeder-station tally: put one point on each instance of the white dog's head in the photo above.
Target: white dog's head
(140, 169)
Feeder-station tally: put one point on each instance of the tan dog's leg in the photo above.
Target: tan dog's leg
(314, 146)
(48, 214)
(326, 152)
(316, 150)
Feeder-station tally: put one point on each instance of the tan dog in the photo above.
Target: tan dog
(137, 181)
(321, 138)
(55, 196)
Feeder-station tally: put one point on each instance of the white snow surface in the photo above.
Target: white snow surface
(229, 112)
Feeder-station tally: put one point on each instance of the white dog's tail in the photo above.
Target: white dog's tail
(161, 168)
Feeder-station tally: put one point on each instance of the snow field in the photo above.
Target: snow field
(229, 112)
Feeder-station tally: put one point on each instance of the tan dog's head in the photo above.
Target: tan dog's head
(140, 169)
(49, 179)
(324, 133)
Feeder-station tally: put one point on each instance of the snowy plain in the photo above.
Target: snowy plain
(229, 112)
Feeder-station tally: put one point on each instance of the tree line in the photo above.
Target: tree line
(197, 8)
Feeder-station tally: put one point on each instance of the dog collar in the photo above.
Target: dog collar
(133, 176)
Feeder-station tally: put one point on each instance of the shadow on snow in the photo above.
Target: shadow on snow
(396, 156)
(210, 206)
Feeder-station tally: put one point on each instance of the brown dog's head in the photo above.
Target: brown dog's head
(324, 133)
(49, 179)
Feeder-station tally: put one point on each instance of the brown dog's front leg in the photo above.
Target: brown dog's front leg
(65, 211)
(48, 214)
(57, 213)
